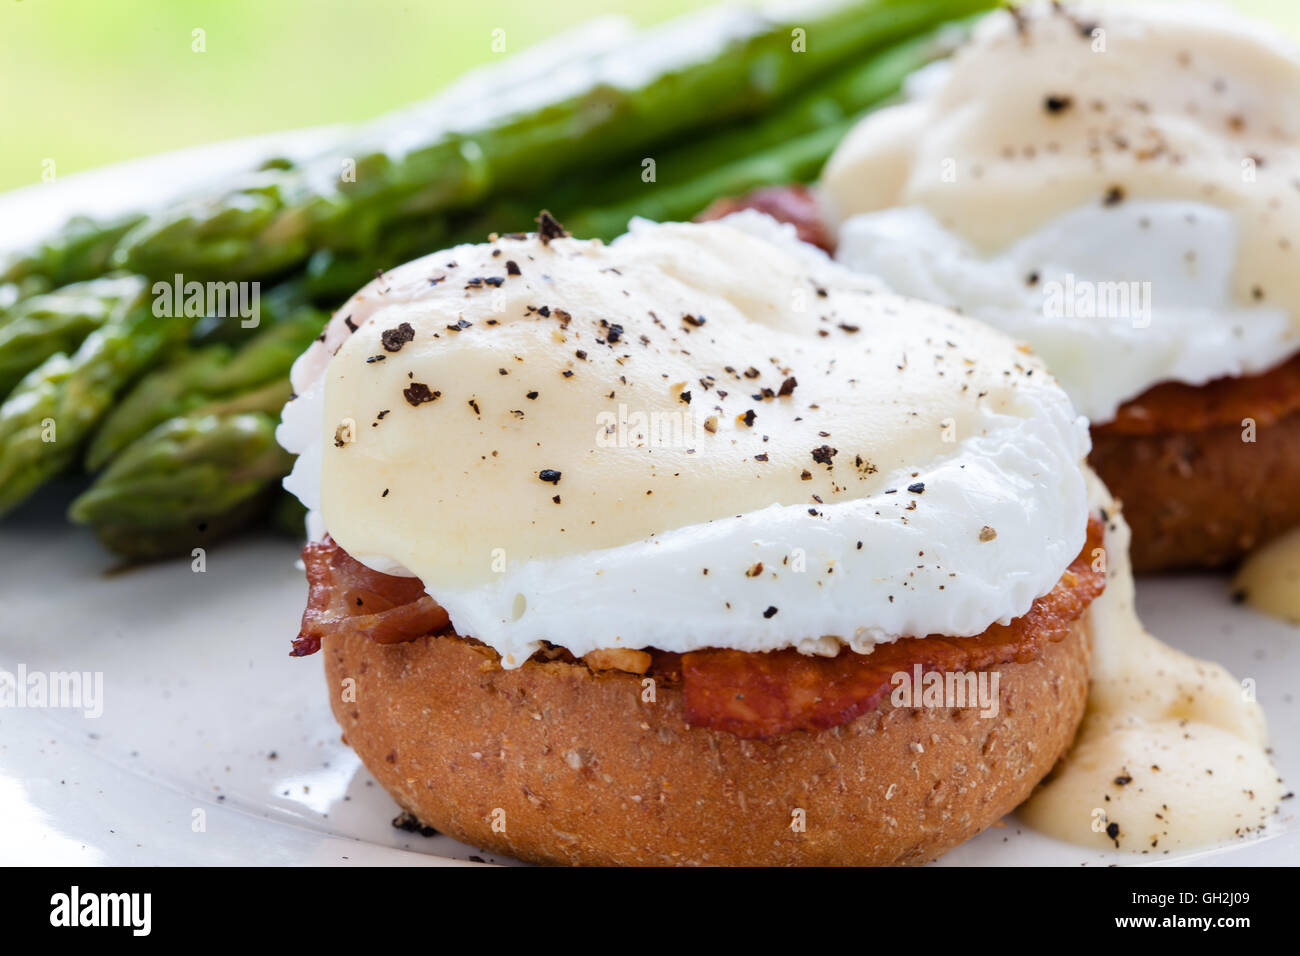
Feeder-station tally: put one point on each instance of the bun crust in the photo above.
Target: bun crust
(1203, 498)
(573, 767)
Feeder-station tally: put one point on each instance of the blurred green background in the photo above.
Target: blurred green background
(89, 82)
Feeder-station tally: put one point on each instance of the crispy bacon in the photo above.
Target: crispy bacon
(793, 204)
(747, 694)
(760, 695)
(1175, 407)
(346, 597)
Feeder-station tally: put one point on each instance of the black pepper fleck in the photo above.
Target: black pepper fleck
(1054, 103)
(417, 393)
(548, 228)
(823, 454)
(394, 339)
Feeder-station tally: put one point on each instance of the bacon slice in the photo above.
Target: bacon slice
(346, 597)
(1176, 407)
(793, 204)
(750, 695)
(757, 695)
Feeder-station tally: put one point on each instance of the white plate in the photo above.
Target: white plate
(215, 747)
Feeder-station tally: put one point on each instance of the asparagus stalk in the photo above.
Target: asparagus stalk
(59, 321)
(599, 206)
(210, 377)
(788, 145)
(283, 300)
(81, 249)
(666, 82)
(333, 275)
(191, 450)
(187, 482)
(85, 248)
(795, 161)
(52, 411)
(12, 293)
(260, 224)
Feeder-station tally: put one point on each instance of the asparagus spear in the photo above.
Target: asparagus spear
(251, 377)
(186, 483)
(641, 94)
(50, 413)
(83, 247)
(789, 145)
(80, 250)
(192, 448)
(12, 293)
(282, 300)
(333, 275)
(667, 81)
(260, 223)
(600, 205)
(795, 161)
(59, 321)
(259, 229)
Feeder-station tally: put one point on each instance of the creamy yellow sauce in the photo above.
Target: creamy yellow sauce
(1269, 581)
(1062, 110)
(753, 357)
(1172, 751)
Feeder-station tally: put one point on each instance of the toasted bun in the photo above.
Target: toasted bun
(1204, 498)
(554, 763)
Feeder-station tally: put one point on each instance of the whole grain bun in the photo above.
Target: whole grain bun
(1204, 498)
(574, 767)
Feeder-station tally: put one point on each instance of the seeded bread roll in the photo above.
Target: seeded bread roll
(556, 763)
(1203, 498)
